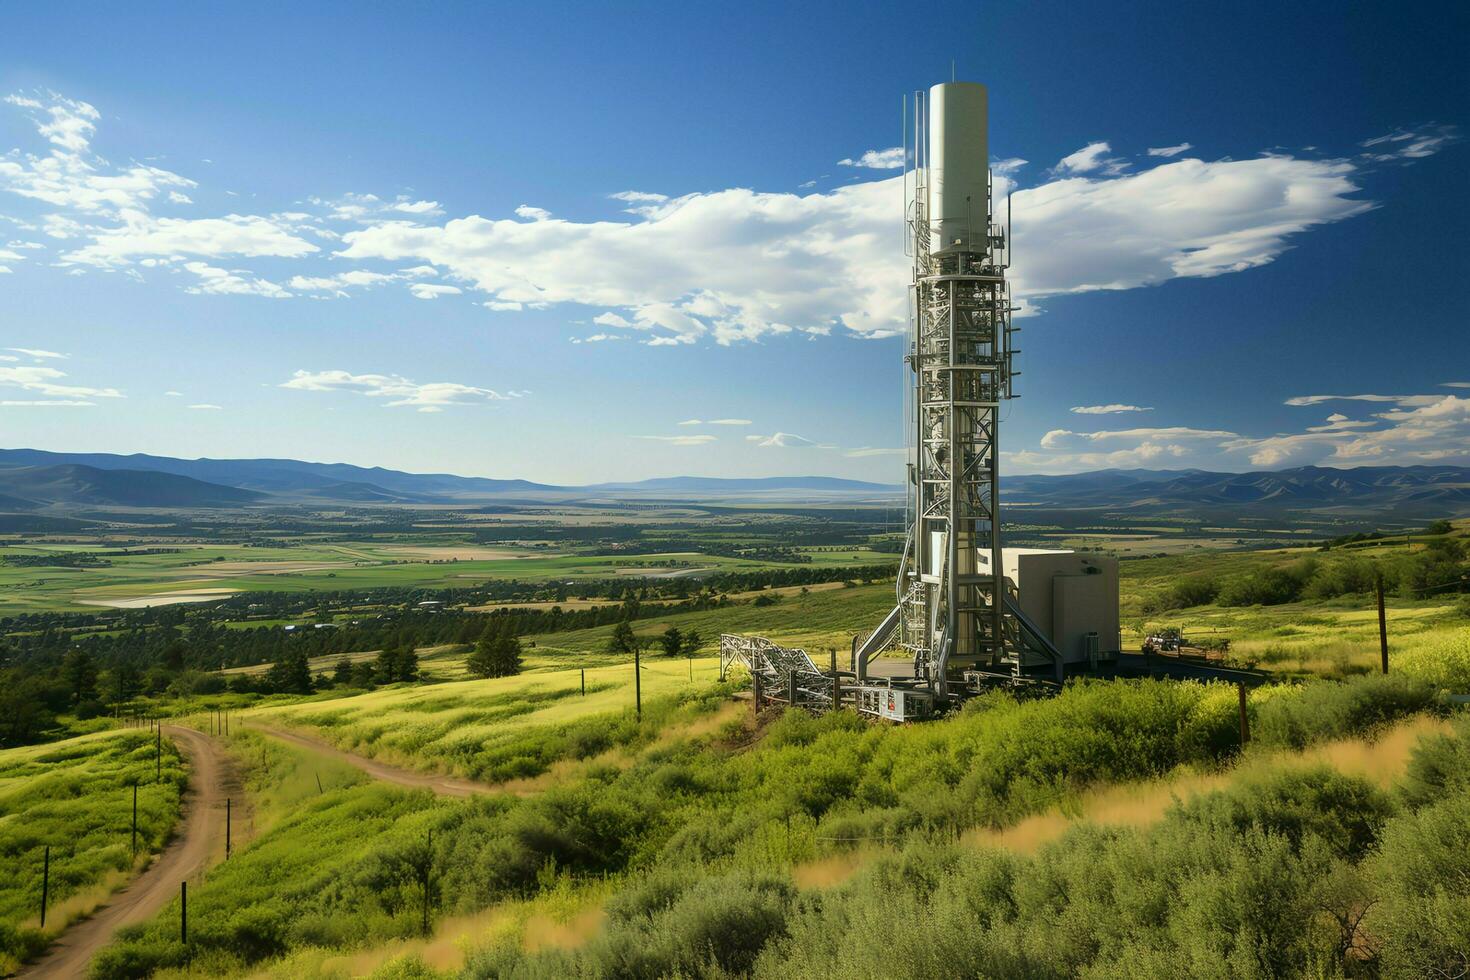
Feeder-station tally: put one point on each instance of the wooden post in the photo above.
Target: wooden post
(584, 682)
(227, 827)
(836, 682)
(755, 692)
(1382, 625)
(184, 912)
(158, 756)
(45, 883)
(428, 870)
(1245, 723)
(638, 679)
(319, 790)
(791, 688)
(135, 820)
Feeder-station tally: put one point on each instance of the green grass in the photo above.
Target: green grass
(76, 796)
(346, 566)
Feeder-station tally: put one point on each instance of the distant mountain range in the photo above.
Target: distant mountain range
(32, 479)
(1408, 491)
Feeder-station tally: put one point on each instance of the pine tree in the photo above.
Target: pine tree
(496, 655)
(342, 673)
(672, 641)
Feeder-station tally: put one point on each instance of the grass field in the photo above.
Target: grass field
(656, 863)
(76, 796)
(200, 572)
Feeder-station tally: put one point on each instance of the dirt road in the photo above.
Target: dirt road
(198, 843)
(439, 785)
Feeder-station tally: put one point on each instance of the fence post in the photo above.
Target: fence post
(584, 682)
(1382, 624)
(428, 871)
(184, 912)
(791, 688)
(135, 820)
(1245, 723)
(158, 756)
(228, 815)
(45, 883)
(638, 679)
(836, 682)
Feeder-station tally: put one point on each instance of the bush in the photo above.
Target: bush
(1337, 709)
(1443, 664)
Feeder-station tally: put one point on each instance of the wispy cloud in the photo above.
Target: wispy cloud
(1108, 409)
(396, 390)
(46, 381)
(1169, 151)
(694, 440)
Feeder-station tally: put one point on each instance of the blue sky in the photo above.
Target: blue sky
(598, 242)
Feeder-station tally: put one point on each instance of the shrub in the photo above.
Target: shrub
(1336, 709)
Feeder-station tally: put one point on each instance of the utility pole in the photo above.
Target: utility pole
(637, 678)
(1382, 625)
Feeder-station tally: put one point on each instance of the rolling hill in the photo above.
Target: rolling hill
(72, 483)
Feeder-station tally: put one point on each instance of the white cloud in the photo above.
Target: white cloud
(225, 282)
(429, 290)
(1456, 384)
(699, 440)
(40, 355)
(889, 159)
(174, 394)
(597, 338)
(1008, 166)
(432, 397)
(1057, 438)
(738, 264)
(1419, 429)
(1108, 409)
(206, 406)
(729, 422)
(532, 213)
(416, 207)
(43, 380)
(233, 234)
(1091, 157)
(1169, 151)
(865, 451)
(49, 403)
(501, 307)
(691, 422)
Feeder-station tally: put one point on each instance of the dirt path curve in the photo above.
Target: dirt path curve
(198, 843)
(439, 785)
